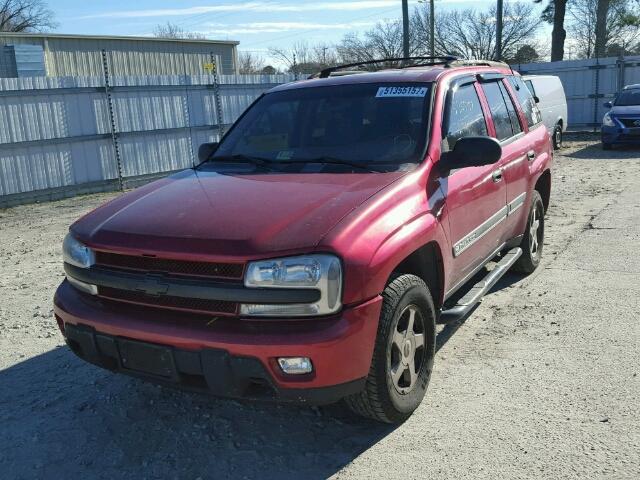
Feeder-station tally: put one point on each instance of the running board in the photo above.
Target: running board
(480, 289)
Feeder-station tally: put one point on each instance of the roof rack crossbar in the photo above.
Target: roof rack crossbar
(479, 63)
(437, 60)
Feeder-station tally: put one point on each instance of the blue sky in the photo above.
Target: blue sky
(257, 24)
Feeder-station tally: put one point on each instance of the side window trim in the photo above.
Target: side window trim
(513, 79)
(524, 124)
(508, 99)
(453, 83)
(488, 118)
(515, 103)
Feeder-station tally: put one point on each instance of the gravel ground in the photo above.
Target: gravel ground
(539, 382)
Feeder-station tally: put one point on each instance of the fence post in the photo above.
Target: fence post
(186, 105)
(216, 96)
(621, 72)
(596, 96)
(112, 119)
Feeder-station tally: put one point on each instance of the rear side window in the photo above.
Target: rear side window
(526, 101)
(530, 87)
(499, 112)
(464, 117)
(513, 114)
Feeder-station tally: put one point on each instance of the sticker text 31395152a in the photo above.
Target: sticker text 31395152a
(406, 91)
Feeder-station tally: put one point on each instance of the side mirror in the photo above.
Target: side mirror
(206, 150)
(536, 99)
(608, 104)
(473, 152)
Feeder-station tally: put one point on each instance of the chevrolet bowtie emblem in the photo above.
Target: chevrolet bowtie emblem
(153, 285)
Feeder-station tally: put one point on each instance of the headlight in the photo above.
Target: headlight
(607, 121)
(320, 272)
(79, 255)
(76, 253)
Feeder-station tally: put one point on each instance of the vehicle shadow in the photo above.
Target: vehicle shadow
(64, 418)
(594, 152)
(449, 329)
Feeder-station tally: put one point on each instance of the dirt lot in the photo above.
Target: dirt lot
(540, 381)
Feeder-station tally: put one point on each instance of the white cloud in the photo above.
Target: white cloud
(258, 6)
(276, 27)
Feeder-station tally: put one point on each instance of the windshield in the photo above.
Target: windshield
(627, 98)
(382, 126)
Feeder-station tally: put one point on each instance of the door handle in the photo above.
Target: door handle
(497, 175)
(531, 155)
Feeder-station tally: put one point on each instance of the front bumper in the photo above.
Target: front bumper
(226, 356)
(620, 135)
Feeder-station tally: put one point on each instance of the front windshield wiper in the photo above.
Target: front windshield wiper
(242, 158)
(336, 161)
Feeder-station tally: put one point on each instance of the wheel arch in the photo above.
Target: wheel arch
(543, 186)
(426, 263)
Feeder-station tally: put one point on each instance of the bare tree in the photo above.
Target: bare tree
(325, 54)
(303, 58)
(300, 52)
(382, 41)
(421, 30)
(622, 32)
(471, 33)
(25, 16)
(171, 30)
(250, 63)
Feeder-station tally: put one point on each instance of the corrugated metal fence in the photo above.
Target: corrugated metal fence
(61, 136)
(588, 84)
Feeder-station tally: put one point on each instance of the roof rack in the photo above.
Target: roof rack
(469, 63)
(424, 61)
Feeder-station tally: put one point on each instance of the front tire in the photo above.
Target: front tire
(533, 239)
(403, 353)
(557, 137)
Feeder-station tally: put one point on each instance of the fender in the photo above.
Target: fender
(378, 236)
(412, 236)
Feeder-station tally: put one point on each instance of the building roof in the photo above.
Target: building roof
(114, 37)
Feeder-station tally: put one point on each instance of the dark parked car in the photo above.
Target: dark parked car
(621, 124)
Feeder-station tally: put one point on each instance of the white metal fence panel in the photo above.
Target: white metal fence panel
(588, 84)
(56, 133)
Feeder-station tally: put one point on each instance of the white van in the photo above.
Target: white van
(551, 102)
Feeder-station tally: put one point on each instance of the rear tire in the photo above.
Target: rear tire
(403, 353)
(557, 137)
(533, 239)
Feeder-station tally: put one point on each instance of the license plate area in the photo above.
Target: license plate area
(147, 358)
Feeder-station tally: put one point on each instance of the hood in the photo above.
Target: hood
(196, 212)
(625, 110)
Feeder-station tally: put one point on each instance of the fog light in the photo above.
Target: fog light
(295, 365)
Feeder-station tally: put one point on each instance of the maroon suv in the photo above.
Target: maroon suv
(310, 255)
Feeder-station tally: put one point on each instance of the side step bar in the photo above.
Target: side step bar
(480, 289)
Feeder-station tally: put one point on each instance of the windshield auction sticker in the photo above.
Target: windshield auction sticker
(401, 92)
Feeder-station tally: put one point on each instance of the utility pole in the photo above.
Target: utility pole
(499, 10)
(432, 28)
(405, 28)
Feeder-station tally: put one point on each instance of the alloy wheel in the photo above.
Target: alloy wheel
(407, 350)
(535, 232)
